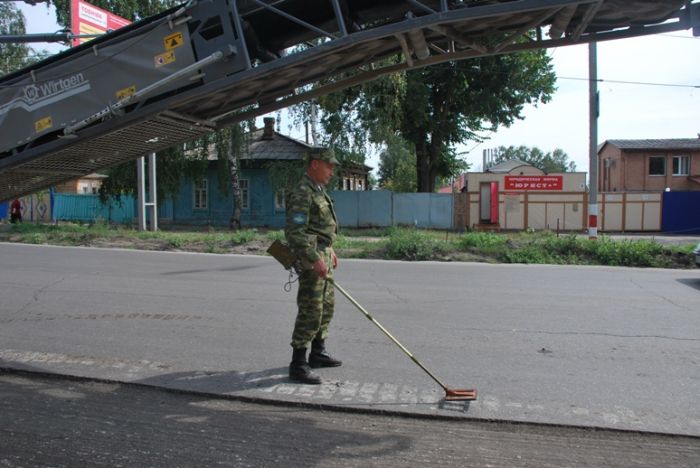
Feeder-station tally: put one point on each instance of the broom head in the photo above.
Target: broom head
(452, 394)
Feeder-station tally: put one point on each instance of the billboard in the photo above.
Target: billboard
(534, 182)
(88, 19)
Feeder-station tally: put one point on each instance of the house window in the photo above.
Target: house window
(681, 165)
(200, 194)
(245, 194)
(279, 200)
(657, 165)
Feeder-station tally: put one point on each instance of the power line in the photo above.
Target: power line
(645, 83)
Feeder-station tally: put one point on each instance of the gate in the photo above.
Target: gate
(681, 213)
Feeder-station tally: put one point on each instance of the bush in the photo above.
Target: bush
(275, 235)
(526, 254)
(626, 253)
(243, 236)
(483, 241)
(410, 244)
(176, 241)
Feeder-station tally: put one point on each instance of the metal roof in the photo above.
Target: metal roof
(278, 148)
(692, 144)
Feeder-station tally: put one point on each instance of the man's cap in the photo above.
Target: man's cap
(322, 154)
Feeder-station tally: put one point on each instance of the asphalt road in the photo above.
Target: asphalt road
(59, 422)
(578, 346)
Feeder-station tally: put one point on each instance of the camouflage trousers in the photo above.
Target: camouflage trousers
(315, 302)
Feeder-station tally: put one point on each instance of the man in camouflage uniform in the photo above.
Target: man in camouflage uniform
(310, 230)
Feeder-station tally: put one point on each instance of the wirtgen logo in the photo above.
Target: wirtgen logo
(37, 95)
(38, 92)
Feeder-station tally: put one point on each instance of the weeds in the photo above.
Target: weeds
(397, 243)
(244, 236)
(411, 244)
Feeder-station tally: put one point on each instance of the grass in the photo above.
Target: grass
(394, 243)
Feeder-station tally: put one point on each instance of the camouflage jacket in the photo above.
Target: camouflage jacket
(311, 221)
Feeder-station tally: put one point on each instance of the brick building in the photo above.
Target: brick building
(649, 165)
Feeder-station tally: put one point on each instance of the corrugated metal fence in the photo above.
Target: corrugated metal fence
(382, 208)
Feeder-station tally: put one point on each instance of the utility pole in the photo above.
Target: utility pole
(593, 112)
(147, 204)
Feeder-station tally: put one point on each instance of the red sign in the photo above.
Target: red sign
(534, 182)
(88, 19)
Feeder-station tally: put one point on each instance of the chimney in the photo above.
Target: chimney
(269, 130)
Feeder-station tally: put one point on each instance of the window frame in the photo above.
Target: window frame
(280, 200)
(680, 157)
(244, 187)
(663, 174)
(200, 187)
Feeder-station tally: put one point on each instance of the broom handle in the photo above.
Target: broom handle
(386, 332)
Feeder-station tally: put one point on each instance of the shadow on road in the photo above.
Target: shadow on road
(219, 382)
(692, 282)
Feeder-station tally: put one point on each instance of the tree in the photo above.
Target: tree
(397, 166)
(437, 107)
(14, 56)
(555, 161)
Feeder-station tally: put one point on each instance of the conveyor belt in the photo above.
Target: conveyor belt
(216, 76)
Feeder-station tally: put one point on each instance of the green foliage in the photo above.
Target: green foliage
(173, 165)
(437, 107)
(285, 175)
(555, 161)
(394, 243)
(15, 56)
(244, 236)
(412, 244)
(275, 235)
(626, 252)
(482, 241)
(397, 166)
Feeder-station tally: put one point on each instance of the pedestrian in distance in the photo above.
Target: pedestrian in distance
(15, 211)
(311, 228)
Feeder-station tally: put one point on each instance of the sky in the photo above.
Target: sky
(649, 88)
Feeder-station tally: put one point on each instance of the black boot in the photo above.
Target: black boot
(299, 369)
(319, 357)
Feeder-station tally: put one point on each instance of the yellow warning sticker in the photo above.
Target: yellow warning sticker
(173, 40)
(126, 92)
(164, 58)
(43, 124)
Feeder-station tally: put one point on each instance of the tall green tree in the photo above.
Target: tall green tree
(397, 166)
(437, 107)
(553, 161)
(14, 56)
